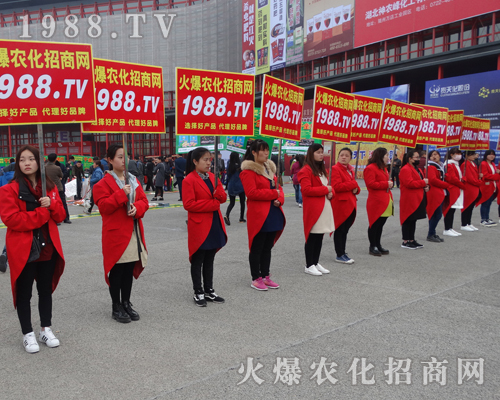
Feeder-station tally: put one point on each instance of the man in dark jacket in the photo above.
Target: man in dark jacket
(78, 174)
(140, 168)
(180, 170)
(149, 174)
(56, 175)
(396, 167)
(274, 159)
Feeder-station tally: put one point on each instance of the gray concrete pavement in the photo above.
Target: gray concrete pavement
(441, 301)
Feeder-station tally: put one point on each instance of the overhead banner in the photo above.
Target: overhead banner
(477, 94)
(263, 31)
(332, 115)
(282, 103)
(46, 83)
(248, 37)
(454, 131)
(366, 119)
(214, 103)
(433, 125)
(129, 98)
(470, 130)
(400, 122)
(378, 20)
(329, 27)
(295, 32)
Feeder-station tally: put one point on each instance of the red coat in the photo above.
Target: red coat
(117, 226)
(377, 183)
(452, 177)
(472, 183)
(436, 194)
(345, 201)
(259, 196)
(313, 197)
(200, 205)
(489, 179)
(20, 225)
(412, 192)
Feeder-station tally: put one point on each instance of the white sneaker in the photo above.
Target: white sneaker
(473, 227)
(449, 232)
(312, 270)
(48, 338)
(30, 343)
(300, 205)
(322, 269)
(466, 228)
(455, 232)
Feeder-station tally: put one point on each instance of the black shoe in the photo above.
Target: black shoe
(179, 200)
(58, 224)
(417, 245)
(120, 314)
(160, 199)
(212, 297)
(154, 199)
(434, 238)
(226, 220)
(382, 250)
(409, 245)
(67, 221)
(127, 306)
(243, 220)
(199, 299)
(3, 262)
(440, 238)
(374, 251)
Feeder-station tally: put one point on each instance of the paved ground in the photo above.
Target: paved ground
(442, 301)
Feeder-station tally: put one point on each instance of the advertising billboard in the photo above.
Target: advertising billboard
(248, 47)
(294, 32)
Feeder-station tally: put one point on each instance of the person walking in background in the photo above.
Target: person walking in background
(472, 193)
(396, 168)
(455, 198)
(435, 195)
(296, 167)
(412, 203)
(489, 191)
(235, 187)
(159, 172)
(123, 243)
(56, 175)
(63, 182)
(317, 195)
(379, 204)
(97, 175)
(180, 170)
(140, 168)
(206, 232)
(344, 202)
(266, 219)
(274, 159)
(79, 175)
(149, 175)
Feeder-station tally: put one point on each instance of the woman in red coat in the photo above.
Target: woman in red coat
(206, 231)
(455, 198)
(489, 191)
(29, 217)
(265, 217)
(123, 244)
(379, 204)
(472, 193)
(435, 195)
(412, 201)
(318, 214)
(344, 203)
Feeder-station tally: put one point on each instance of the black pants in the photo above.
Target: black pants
(395, 179)
(63, 199)
(232, 200)
(202, 262)
(260, 254)
(408, 229)
(313, 248)
(78, 189)
(168, 181)
(340, 234)
(120, 281)
(43, 272)
(448, 219)
(91, 202)
(375, 232)
(150, 184)
(179, 182)
(467, 213)
(158, 191)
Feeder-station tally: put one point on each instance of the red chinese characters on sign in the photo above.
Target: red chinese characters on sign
(400, 122)
(42, 82)
(433, 126)
(366, 119)
(470, 130)
(483, 135)
(213, 103)
(129, 98)
(454, 131)
(332, 115)
(282, 104)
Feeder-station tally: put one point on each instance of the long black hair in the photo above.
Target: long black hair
(489, 153)
(19, 175)
(409, 154)
(318, 167)
(377, 157)
(193, 155)
(258, 145)
(452, 151)
(234, 163)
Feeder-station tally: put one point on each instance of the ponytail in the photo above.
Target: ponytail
(193, 155)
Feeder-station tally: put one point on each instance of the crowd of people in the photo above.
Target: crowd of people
(328, 198)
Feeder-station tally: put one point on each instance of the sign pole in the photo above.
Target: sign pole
(427, 162)
(216, 161)
(446, 162)
(390, 165)
(125, 173)
(357, 162)
(279, 163)
(332, 151)
(42, 160)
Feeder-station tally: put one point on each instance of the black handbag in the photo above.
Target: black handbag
(37, 245)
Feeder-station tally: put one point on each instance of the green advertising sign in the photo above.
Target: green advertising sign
(186, 143)
(87, 161)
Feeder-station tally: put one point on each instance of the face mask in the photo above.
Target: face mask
(457, 157)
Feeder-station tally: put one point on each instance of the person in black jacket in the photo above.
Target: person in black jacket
(79, 175)
(396, 167)
(149, 174)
